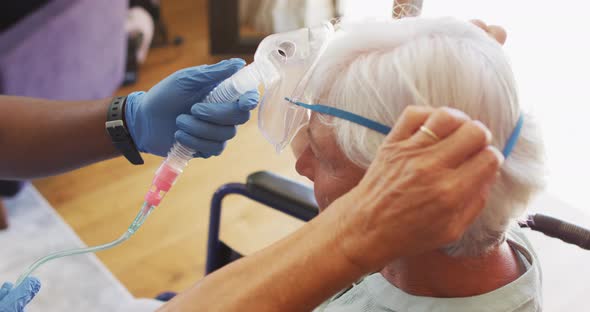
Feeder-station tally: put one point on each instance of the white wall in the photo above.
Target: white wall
(355, 9)
(549, 46)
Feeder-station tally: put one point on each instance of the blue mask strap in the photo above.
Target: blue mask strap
(513, 137)
(383, 129)
(332, 111)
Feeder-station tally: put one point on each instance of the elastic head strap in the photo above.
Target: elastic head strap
(383, 129)
(332, 111)
(513, 137)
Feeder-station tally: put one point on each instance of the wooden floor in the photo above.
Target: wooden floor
(168, 253)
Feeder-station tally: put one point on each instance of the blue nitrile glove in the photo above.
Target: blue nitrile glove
(172, 110)
(15, 299)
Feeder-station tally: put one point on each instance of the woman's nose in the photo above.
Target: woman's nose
(304, 166)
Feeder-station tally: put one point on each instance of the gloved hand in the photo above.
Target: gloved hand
(15, 299)
(172, 110)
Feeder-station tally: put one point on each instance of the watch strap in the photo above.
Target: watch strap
(117, 129)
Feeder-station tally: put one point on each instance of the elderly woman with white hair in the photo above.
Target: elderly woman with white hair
(375, 70)
(398, 179)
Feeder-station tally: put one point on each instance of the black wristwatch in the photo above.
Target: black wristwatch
(117, 129)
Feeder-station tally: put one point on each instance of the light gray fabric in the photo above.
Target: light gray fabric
(141, 305)
(375, 294)
(79, 283)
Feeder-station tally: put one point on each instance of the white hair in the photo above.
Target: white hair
(376, 69)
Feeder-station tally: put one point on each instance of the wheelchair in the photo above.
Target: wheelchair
(297, 200)
(289, 197)
(562, 266)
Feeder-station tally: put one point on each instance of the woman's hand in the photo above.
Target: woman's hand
(495, 31)
(421, 192)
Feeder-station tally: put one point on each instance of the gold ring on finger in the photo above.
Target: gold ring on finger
(429, 133)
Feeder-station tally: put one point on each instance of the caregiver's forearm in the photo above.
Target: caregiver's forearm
(42, 137)
(295, 274)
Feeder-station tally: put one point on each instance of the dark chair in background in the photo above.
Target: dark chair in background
(274, 191)
(7, 189)
(224, 30)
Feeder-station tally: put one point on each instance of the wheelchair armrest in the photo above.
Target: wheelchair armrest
(294, 197)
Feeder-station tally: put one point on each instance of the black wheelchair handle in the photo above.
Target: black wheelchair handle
(565, 231)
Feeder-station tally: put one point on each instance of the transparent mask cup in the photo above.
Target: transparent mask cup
(294, 55)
